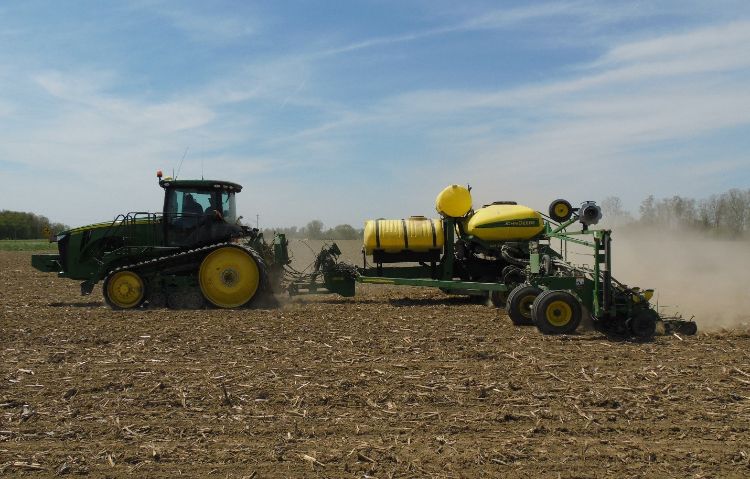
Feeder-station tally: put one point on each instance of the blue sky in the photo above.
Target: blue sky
(343, 110)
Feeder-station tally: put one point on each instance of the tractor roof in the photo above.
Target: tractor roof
(201, 184)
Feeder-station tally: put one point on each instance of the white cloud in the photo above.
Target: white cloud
(505, 17)
(713, 39)
(492, 20)
(596, 132)
(108, 116)
(713, 51)
(273, 80)
(91, 146)
(596, 129)
(600, 129)
(203, 23)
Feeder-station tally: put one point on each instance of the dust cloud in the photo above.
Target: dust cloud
(303, 252)
(692, 274)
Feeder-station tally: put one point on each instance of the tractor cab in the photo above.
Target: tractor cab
(199, 211)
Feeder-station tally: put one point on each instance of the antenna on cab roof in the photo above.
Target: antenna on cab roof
(180, 165)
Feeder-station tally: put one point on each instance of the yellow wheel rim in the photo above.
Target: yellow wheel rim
(524, 306)
(562, 210)
(229, 277)
(559, 313)
(125, 289)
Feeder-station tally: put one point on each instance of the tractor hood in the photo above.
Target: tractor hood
(81, 229)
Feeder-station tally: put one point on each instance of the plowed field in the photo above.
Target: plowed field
(392, 383)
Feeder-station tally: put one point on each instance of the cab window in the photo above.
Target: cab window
(186, 205)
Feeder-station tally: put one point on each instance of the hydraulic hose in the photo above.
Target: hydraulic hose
(505, 252)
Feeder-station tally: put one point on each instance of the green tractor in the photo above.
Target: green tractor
(194, 253)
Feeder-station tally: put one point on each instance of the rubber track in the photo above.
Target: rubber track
(184, 258)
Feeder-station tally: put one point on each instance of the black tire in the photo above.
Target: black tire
(518, 304)
(560, 210)
(689, 328)
(513, 275)
(498, 298)
(556, 312)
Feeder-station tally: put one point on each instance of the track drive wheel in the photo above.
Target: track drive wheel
(518, 305)
(556, 312)
(230, 277)
(560, 210)
(124, 290)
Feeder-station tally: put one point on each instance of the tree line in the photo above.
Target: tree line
(726, 214)
(315, 229)
(20, 225)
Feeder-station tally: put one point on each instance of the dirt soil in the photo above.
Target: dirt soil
(392, 383)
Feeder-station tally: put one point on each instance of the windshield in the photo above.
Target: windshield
(190, 202)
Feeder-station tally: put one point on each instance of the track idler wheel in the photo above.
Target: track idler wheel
(124, 290)
(556, 312)
(560, 210)
(643, 324)
(230, 277)
(518, 305)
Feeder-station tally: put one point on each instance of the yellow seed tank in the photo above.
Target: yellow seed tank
(417, 234)
(504, 222)
(454, 201)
